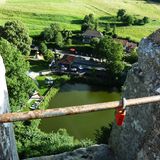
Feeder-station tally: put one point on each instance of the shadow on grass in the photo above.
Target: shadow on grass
(38, 65)
(108, 18)
(118, 24)
(78, 21)
(112, 20)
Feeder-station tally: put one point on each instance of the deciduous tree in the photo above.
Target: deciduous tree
(49, 34)
(43, 48)
(18, 83)
(128, 19)
(112, 53)
(59, 39)
(107, 28)
(121, 13)
(48, 56)
(17, 34)
(89, 22)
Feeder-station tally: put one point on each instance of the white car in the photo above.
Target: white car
(63, 68)
(74, 69)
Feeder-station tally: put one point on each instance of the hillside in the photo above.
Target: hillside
(38, 14)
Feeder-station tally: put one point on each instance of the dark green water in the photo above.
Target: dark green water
(84, 125)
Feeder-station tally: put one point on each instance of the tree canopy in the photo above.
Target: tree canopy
(16, 33)
(130, 19)
(18, 83)
(107, 28)
(89, 22)
(53, 34)
(121, 13)
(112, 52)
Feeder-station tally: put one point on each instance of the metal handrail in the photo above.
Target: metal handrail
(57, 112)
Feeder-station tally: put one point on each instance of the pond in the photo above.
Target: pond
(83, 125)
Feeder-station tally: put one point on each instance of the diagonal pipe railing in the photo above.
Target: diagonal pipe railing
(57, 112)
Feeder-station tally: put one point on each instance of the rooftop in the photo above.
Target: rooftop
(92, 33)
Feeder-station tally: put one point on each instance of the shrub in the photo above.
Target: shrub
(145, 20)
(59, 39)
(89, 22)
(107, 28)
(94, 41)
(48, 55)
(121, 13)
(102, 135)
(132, 57)
(32, 142)
(69, 41)
(128, 19)
(43, 48)
(138, 22)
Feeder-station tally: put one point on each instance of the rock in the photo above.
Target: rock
(95, 152)
(139, 137)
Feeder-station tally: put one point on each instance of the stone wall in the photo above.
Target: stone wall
(7, 140)
(95, 152)
(139, 137)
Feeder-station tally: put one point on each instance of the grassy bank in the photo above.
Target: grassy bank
(39, 14)
(48, 92)
(32, 142)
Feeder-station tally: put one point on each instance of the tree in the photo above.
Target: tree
(66, 34)
(102, 135)
(48, 56)
(16, 33)
(96, 25)
(114, 31)
(121, 13)
(128, 19)
(94, 42)
(49, 34)
(69, 41)
(86, 19)
(89, 22)
(139, 22)
(107, 28)
(91, 18)
(32, 142)
(112, 52)
(84, 27)
(19, 84)
(43, 48)
(145, 20)
(59, 39)
(132, 57)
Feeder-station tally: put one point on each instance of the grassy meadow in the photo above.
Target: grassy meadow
(38, 14)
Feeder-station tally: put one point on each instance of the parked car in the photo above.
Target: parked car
(74, 69)
(80, 67)
(63, 68)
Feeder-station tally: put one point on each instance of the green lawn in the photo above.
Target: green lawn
(38, 14)
(58, 81)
